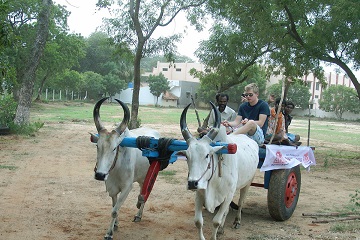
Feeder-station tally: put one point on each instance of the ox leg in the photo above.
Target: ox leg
(117, 202)
(243, 193)
(219, 218)
(140, 205)
(198, 219)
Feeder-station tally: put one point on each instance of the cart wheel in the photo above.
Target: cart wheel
(283, 193)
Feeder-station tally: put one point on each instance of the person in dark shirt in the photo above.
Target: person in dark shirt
(252, 118)
(289, 107)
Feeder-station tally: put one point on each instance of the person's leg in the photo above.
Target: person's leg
(249, 128)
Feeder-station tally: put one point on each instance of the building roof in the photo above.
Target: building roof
(169, 96)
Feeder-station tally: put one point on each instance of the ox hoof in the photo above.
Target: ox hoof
(220, 231)
(236, 225)
(108, 238)
(137, 219)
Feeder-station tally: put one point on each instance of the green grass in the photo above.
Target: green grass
(8, 167)
(169, 176)
(109, 112)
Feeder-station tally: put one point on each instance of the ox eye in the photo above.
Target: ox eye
(207, 156)
(114, 149)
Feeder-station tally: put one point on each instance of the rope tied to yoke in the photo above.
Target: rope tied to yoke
(143, 142)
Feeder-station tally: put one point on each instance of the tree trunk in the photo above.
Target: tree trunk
(136, 90)
(38, 98)
(25, 94)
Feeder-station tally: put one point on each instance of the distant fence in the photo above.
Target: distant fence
(59, 95)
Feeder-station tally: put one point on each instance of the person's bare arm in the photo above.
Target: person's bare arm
(234, 123)
(261, 121)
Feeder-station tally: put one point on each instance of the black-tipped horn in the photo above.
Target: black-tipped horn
(183, 126)
(120, 129)
(215, 129)
(96, 114)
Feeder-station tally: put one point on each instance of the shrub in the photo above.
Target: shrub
(7, 110)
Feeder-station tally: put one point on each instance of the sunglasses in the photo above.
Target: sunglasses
(248, 94)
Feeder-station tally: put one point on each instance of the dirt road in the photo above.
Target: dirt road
(47, 191)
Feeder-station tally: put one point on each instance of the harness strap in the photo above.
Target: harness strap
(210, 165)
(114, 161)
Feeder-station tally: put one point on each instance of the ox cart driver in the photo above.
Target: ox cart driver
(252, 116)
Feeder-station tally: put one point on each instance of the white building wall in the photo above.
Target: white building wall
(178, 71)
(147, 98)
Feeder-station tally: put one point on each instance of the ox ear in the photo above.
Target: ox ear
(181, 155)
(94, 137)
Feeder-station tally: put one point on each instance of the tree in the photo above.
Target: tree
(231, 57)
(135, 25)
(210, 82)
(300, 35)
(22, 115)
(113, 84)
(298, 93)
(158, 84)
(62, 52)
(93, 83)
(338, 99)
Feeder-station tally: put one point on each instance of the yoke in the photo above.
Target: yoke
(152, 151)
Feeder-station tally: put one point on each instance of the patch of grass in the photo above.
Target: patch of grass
(329, 157)
(8, 167)
(268, 237)
(351, 227)
(169, 176)
(110, 113)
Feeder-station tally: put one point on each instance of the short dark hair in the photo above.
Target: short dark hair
(220, 95)
(288, 103)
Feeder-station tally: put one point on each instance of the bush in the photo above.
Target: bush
(25, 129)
(7, 110)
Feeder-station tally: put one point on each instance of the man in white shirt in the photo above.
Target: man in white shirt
(226, 113)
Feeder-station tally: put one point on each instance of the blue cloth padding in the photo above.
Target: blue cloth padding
(291, 137)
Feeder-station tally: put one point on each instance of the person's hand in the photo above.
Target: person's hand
(225, 123)
(244, 121)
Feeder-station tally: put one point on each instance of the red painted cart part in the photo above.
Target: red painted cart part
(291, 190)
(150, 180)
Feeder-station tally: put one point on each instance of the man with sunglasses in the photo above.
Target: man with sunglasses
(252, 115)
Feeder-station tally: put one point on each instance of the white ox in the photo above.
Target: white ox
(119, 166)
(214, 177)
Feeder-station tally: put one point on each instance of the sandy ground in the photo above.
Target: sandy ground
(52, 194)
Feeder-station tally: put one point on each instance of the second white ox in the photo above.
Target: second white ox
(119, 166)
(214, 177)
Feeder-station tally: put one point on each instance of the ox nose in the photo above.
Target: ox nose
(100, 176)
(192, 185)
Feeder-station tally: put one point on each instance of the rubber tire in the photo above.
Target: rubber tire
(4, 130)
(283, 192)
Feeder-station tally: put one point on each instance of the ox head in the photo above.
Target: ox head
(108, 142)
(200, 154)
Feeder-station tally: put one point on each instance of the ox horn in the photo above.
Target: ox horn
(211, 134)
(120, 129)
(183, 126)
(215, 129)
(123, 124)
(96, 114)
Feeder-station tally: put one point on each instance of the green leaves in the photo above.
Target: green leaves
(339, 99)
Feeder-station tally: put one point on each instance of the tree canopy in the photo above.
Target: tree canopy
(339, 99)
(291, 37)
(158, 85)
(135, 23)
